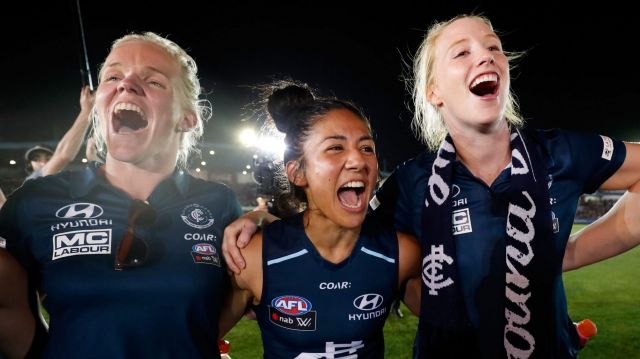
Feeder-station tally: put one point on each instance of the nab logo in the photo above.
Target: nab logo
(204, 249)
(291, 304)
(368, 301)
(80, 210)
(461, 221)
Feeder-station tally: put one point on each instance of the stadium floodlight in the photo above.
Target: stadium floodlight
(247, 137)
(271, 144)
(12, 162)
(212, 152)
(203, 163)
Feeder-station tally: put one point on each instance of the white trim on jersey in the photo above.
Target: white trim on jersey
(379, 255)
(287, 257)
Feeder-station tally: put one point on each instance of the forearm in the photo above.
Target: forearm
(412, 294)
(69, 145)
(234, 308)
(616, 232)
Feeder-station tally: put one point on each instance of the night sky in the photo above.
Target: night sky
(581, 70)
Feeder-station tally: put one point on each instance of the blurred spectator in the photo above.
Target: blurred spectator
(3, 199)
(42, 161)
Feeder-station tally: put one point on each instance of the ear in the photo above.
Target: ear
(188, 122)
(295, 174)
(433, 97)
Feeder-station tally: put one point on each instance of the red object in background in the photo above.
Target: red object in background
(224, 346)
(586, 330)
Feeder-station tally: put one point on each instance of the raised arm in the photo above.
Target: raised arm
(629, 173)
(238, 234)
(619, 229)
(3, 198)
(612, 234)
(71, 142)
(17, 324)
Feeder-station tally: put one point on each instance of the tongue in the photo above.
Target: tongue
(126, 129)
(348, 197)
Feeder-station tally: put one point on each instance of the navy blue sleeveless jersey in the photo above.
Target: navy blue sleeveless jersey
(577, 163)
(312, 308)
(65, 230)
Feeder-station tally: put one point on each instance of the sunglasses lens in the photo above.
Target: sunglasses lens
(133, 250)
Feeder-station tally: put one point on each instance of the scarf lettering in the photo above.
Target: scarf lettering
(516, 323)
(435, 180)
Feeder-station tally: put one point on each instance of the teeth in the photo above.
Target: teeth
(130, 107)
(484, 78)
(354, 184)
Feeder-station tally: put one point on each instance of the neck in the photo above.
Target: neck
(485, 154)
(334, 243)
(138, 182)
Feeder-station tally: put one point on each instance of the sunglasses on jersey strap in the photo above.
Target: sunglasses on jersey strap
(133, 250)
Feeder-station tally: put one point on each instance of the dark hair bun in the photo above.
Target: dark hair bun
(283, 103)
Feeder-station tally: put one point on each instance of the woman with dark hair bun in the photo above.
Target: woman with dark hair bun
(353, 267)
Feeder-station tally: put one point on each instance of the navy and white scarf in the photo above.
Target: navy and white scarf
(527, 324)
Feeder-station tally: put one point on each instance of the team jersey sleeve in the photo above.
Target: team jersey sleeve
(586, 159)
(594, 158)
(396, 202)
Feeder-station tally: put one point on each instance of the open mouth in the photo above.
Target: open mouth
(484, 85)
(128, 118)
(351, 194)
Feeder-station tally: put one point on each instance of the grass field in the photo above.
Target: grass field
(607, 293)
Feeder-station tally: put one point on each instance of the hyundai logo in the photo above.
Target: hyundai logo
(80, 210)
(368, 301)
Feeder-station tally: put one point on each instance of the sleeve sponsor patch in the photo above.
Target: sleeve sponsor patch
(607, 148)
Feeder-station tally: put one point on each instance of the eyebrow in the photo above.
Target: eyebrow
(146, 68)
(344, 138)
(493, 36)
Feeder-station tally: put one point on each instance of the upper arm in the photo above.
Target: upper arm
(17, 323)
(409, 270)
(246, 287)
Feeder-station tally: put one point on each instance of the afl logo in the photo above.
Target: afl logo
(80, 210)
(291, 304)
(204, 249)
(368, 301)
(197, 216)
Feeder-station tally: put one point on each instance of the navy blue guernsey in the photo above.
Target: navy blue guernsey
(311, 308)
(576, 163)
(65, 230)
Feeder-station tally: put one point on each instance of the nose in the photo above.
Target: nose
(355, 160)
(130, 84)
(487, 58)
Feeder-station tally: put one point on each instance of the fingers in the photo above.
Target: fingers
(228, 246)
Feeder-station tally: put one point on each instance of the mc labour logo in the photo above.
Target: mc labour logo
(431, 266)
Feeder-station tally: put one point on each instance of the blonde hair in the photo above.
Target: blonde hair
(189, 92)
(428, 123)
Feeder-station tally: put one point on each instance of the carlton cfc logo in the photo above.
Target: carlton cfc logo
(291, 304)
(197, 216)
(80, 210)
